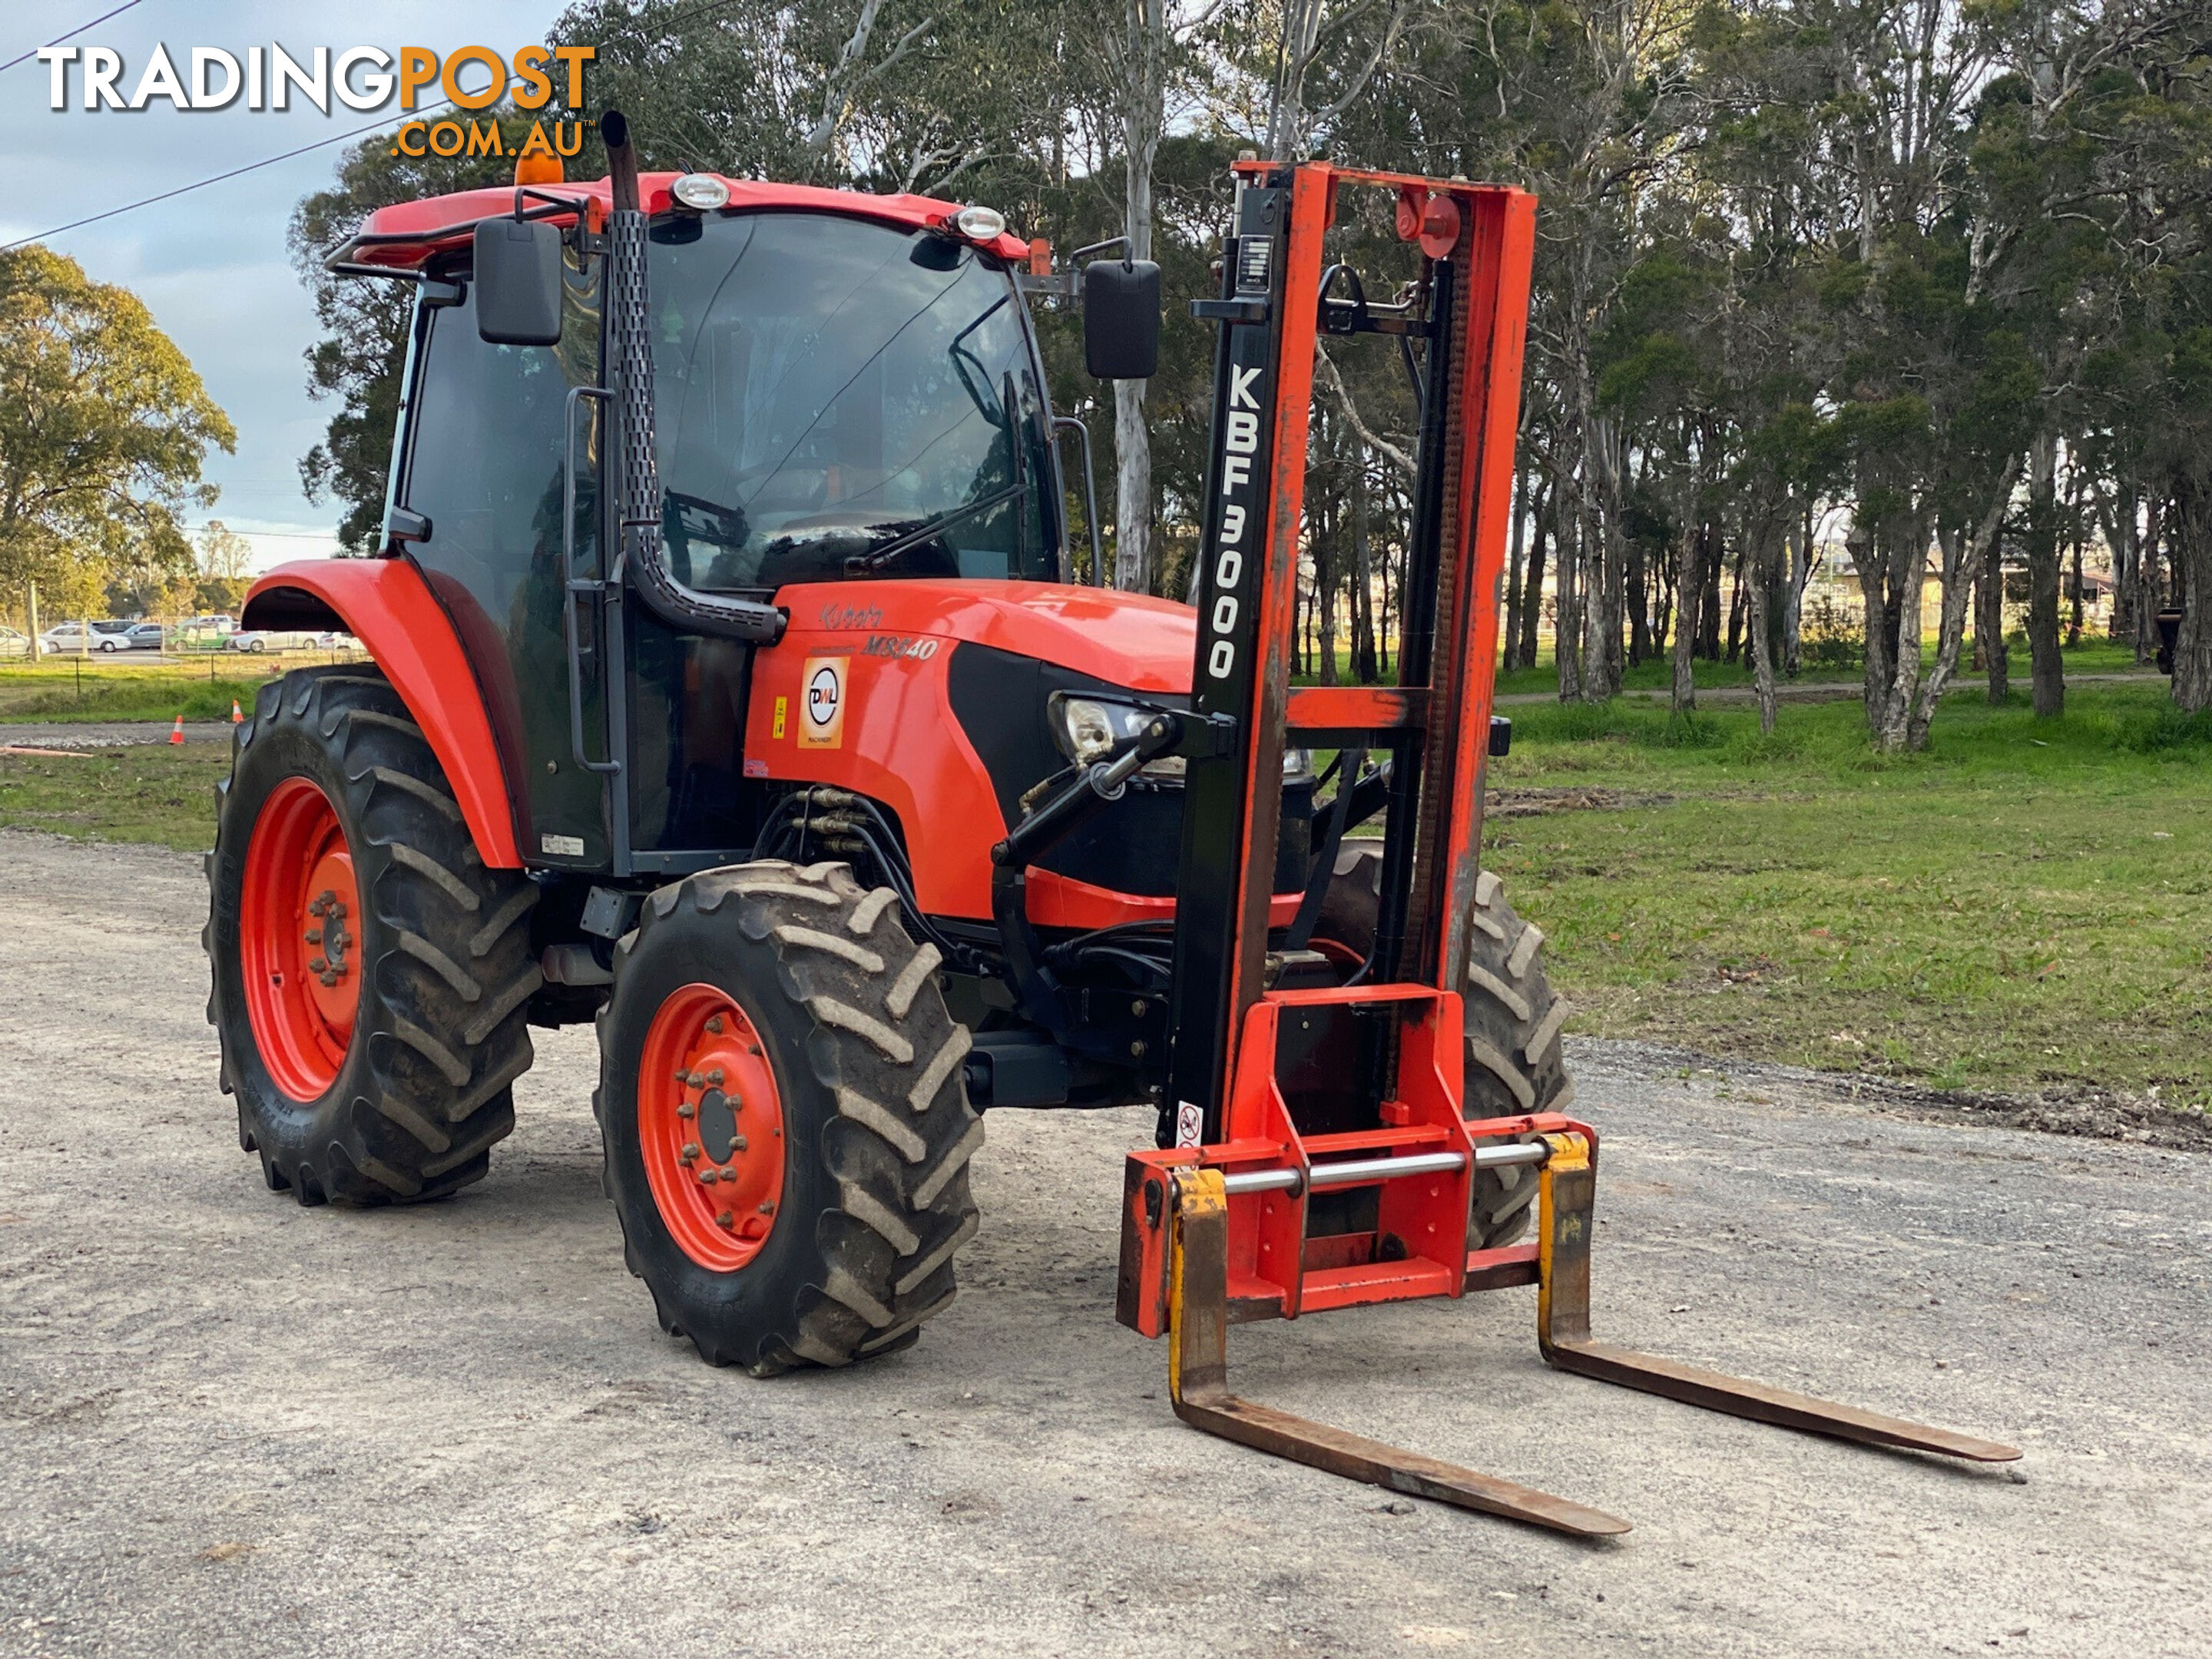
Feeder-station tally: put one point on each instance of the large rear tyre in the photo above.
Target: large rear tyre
(785, 1125)
(369, 972)
(1514, 1062)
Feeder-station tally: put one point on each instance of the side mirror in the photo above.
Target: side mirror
(517, 282)
(1122, 319)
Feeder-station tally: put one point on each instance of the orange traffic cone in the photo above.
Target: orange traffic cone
(237, 714)
(177, 731)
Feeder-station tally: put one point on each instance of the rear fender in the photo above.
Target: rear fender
(387, 606)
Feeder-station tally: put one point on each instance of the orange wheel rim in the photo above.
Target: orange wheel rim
(710, 1126)
(300, 940)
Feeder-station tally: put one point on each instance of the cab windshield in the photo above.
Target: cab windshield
(840, 398)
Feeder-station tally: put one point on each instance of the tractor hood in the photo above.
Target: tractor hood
(1123, 639)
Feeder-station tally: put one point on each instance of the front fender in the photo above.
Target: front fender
(387, 606)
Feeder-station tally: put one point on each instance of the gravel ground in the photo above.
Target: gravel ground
(229, 1425)
(106, 734)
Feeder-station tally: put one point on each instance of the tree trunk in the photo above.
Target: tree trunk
(1688, 584)
(1510, 623)
(2074, 537)
(1758, 561)
(1567, 615)
(1793, 603)
(1532, 583)
(1989, 620)
(2150, 588)
(1709, 553)
(1735, 611)
(1640, 606)
(2189, 534)
(2048, 666)
(1962, 556)
(1363, 570)
(1875, 602)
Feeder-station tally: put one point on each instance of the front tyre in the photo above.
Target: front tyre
(369, 972)
(786, 1126)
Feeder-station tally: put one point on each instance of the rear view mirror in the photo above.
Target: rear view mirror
(517, 282)
(1122, 319)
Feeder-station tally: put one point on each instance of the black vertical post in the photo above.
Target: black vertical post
(1232, 553)
(1417, 611)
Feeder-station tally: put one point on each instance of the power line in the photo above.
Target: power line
(25, 58)
(661, 25)
(215, 178)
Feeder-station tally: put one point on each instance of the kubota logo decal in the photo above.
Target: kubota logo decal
(822, 703)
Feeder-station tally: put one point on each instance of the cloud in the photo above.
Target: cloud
(212, 266)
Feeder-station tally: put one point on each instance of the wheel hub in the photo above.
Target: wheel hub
(298, 955)
(710, 1127)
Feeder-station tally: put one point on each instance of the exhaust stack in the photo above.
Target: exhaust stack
(637, 492)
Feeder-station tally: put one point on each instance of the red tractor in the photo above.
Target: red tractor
(730, 689)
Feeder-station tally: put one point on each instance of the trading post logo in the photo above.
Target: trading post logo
(92, 79)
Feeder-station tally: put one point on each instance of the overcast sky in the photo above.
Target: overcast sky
(211, 265)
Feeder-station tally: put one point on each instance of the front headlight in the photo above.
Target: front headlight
(1085, 729)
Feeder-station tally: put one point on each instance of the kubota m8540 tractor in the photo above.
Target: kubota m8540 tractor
(732, 788)
(730, 687)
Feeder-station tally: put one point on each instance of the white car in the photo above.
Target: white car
(267, 639)
(72, 636)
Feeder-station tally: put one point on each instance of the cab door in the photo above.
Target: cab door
(484, 438)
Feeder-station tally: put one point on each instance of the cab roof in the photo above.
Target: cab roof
(404, 236)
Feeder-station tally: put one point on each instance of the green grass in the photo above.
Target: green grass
(160, 794)
(128, 691)
(2027, 903)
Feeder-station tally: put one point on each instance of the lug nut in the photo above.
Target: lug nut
(725, 1220)
(768, 1209)
(313, 936)
(690, 1150)
(714, 1077)
(737, 1143)
(715, 1025)
(318, 966)
(687, 1109)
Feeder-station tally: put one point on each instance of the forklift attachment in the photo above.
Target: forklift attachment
(1315, 1149)
(1199, 1315)
(1198, 1383)
(1567, 1189)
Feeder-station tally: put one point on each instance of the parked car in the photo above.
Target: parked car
(14, 642)
(143, 636)
(264, 639)
(73, 636)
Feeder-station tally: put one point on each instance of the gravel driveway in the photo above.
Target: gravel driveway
(230, 1425)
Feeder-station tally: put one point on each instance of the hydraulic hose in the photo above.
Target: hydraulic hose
(637, 497)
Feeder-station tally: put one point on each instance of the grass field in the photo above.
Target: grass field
(2027, 904)
(158, 794)
(69, 691)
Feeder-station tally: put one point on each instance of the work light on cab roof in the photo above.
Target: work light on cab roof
(980, 224)
(703, 192)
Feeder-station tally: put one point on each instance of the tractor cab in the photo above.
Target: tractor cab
(846, 392)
